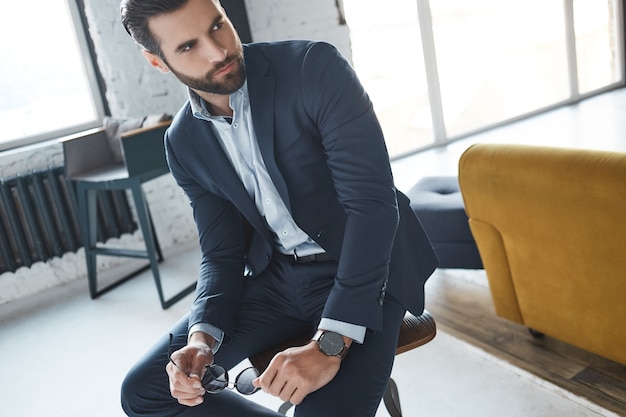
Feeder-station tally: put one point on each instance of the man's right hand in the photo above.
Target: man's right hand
(186, 369)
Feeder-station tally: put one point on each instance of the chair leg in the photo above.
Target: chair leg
(157, 245)
(392, 399)
(146, 211)
(152, 247)
(87, 217)
(145, 224)
(284, 408)
(87, 209)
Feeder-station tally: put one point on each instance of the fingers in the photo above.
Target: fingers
(186, 389)
(283, 389)
(276, 384)
(185, 371)
(297, 397)
(296, 372)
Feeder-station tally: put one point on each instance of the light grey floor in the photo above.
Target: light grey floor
(64, 355)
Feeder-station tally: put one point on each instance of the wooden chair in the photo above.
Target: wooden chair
(92, 165)
(415, 332)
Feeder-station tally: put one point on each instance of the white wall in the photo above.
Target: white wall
(134, 89)
(298, 19)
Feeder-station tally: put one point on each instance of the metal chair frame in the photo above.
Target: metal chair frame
(91, 166)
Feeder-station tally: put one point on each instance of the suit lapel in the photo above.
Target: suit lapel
(222, 173)
(261, 89)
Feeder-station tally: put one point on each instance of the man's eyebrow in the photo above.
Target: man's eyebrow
(181, 47)
(186, 43)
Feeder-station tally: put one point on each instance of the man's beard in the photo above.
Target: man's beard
(230, 83)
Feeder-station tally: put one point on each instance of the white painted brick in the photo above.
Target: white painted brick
(300, 19)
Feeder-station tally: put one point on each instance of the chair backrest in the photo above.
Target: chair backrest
(550, 225)
(143, 149)
(87, 152)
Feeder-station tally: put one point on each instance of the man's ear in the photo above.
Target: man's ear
(155, 61)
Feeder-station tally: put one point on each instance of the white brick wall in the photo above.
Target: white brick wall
(299, 19)
(134, 89)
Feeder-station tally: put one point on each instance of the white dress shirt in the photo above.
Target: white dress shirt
(238, 139)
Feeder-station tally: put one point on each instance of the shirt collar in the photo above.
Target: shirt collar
(199, 105)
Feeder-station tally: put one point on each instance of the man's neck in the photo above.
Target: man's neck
(217, 104)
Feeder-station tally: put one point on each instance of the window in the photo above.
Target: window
(388, 57)
(47, 83)
(498, 60)
(440, 70)
(597, 27)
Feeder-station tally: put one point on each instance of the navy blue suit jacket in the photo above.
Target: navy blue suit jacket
(324, 150)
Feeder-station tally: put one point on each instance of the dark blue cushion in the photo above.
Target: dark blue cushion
(438, 203)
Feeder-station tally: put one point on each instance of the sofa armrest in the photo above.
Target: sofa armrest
(495, 261)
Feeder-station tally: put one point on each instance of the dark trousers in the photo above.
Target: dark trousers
(284, 301)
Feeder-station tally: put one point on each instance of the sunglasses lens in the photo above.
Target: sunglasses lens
(244, 381)
(215, 379)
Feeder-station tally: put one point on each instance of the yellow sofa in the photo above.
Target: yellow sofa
(550, 225)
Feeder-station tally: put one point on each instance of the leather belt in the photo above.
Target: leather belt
(317, 257)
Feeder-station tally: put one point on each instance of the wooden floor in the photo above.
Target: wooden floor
(461, 304)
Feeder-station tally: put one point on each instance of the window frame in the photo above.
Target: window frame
(90, 69)
(440, 136)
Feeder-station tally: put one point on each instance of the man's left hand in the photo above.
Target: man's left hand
(298, 371)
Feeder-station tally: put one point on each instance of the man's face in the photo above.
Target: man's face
(200, 47)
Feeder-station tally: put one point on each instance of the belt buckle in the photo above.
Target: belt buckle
(303, 259)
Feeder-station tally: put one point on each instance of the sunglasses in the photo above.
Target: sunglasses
(216, 379)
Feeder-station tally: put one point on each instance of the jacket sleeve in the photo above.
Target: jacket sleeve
(220, 231)
(359, 165)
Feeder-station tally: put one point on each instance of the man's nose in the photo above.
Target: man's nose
(213, 52)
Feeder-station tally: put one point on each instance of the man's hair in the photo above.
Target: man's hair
(135, 15)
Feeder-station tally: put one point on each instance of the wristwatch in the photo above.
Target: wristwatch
(331, 343)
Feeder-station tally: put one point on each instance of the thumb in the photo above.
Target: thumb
(197, 381)
(198, 370)
(200, 363)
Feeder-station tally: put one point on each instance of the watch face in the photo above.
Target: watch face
(331, 343)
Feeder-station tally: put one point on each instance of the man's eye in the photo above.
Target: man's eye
(218, 25)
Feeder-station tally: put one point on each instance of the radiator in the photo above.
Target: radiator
(38, 218)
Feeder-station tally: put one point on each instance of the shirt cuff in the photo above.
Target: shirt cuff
(353, 331)
(213, 331)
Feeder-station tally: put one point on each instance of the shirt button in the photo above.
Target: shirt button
(267, 201)
(235, 125)
(285, 232)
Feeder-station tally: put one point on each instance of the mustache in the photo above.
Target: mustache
(223, 64)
